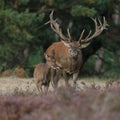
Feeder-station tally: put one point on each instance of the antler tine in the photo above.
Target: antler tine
(69, 35)
(80, 38)
(88, 34)
(56, 28)
(105, 23)
(51, 14)
(100, 22)
(53, 23)
(83, 41)
(99, 27)
(95, 21)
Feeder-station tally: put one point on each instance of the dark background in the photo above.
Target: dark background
(24, 36)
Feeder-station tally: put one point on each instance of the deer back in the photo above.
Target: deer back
(60, 51)
(41, 71)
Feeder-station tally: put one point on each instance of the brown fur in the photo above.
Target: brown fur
(65, 61)
(42, 76)
(46, 72)
(68, 54)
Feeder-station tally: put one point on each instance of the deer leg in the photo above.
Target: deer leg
(41, 89)
(46, 86)
(46, 89)
(52, 77)
(75, 77)
(56, 78)
(66, 79)
(38, 85)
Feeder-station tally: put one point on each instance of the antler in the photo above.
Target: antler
(56, 28)
(98, 30)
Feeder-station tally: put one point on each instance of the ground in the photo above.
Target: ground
(94, 100)
(8, 85)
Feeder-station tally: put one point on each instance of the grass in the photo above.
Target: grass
(9, 85)
(94, 100)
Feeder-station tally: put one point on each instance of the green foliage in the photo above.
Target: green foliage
(88, 2)
(36, 57)
(24, 2)
(112, 65)
(79, 10)
(22, 28)
(17, 33)
(90, 65)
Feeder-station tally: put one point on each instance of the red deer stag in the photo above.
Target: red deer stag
(68, 53)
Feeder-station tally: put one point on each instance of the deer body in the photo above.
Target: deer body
(68, 55)
(66, 59)
(42, 76)
(46, 72)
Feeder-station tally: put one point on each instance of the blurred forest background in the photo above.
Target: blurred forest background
(24, 36)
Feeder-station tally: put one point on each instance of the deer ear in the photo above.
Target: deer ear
(66, 43)
(47, 56)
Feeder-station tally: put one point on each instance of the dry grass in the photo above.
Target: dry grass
(94, 100)
(9, 85)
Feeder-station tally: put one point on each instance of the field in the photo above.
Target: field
(9, 85)
(94, 99)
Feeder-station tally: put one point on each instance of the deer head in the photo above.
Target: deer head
(74, 46)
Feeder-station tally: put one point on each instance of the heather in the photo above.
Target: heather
(89, 102)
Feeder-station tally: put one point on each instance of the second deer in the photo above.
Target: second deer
(44, 73)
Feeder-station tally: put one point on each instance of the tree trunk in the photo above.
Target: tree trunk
(99, 60)
(116, 17)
